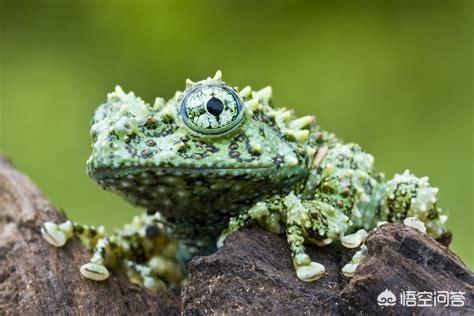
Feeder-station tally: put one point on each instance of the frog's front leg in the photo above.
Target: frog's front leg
(349, 269)
(142, 274)
(235, 223)
(297, 216)
(58, 234)
(93, 237)
(141, 249)
(267, 214)
(313, 221)
(106, 253)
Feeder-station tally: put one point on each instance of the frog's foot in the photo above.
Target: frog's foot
(414, 222)
(143, 274)
(266, 213)
(307, 270)
(235, 223)
(413, 201)
(354, 240)
(222, 237)
(57, 235)
(94, 271)
(166, 268)
(349, 269)
(106, 250)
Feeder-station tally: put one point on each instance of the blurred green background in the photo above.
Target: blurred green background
(396, 77)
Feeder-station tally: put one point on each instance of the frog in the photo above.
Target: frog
(214, 158)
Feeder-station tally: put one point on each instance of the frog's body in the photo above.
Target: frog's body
(211, 156)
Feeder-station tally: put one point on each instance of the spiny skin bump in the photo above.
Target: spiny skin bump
(213, 158)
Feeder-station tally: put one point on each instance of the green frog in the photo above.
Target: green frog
(214, 158)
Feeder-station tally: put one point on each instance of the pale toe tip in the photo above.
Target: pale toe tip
(96, 272)
(220, 241)
(311, 272)
(53, 234)
(414, 222)
(349, 269)
(354, 240)
(153, 284)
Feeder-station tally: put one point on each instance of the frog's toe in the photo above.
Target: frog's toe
(310, 272)
(349, 269)
(54, 234)
(93, 271)
(414, 222)
(220, 241)
(354, 240)
(153, 283)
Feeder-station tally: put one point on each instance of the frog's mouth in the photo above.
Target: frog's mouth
(159, 187)
(201, 199)
(189, 170)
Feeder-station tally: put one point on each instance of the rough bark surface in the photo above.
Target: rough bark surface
(251, 274)
(37, 279)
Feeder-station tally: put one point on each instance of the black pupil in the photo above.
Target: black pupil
(215, 106)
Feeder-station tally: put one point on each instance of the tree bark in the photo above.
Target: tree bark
(251, 274)
(37, 279)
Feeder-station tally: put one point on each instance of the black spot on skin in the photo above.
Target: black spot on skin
(378, 210)
(151, 212)
(152, 231)
(150, 143)
(249, 149)
(184, 148)
(279, 160)
(166, 132)
(131, 150)
(212, 148)
(132, 138)
(146, 153)
(150, 123)
(234, 154)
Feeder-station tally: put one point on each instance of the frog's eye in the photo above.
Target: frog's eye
(212, 109)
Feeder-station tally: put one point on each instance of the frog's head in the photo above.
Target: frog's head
(211, 146)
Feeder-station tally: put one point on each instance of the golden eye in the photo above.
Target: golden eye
(213, 109)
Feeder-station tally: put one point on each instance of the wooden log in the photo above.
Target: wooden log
(37, 279)
(251, 274)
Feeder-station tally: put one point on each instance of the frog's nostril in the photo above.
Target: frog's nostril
(214, 106)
